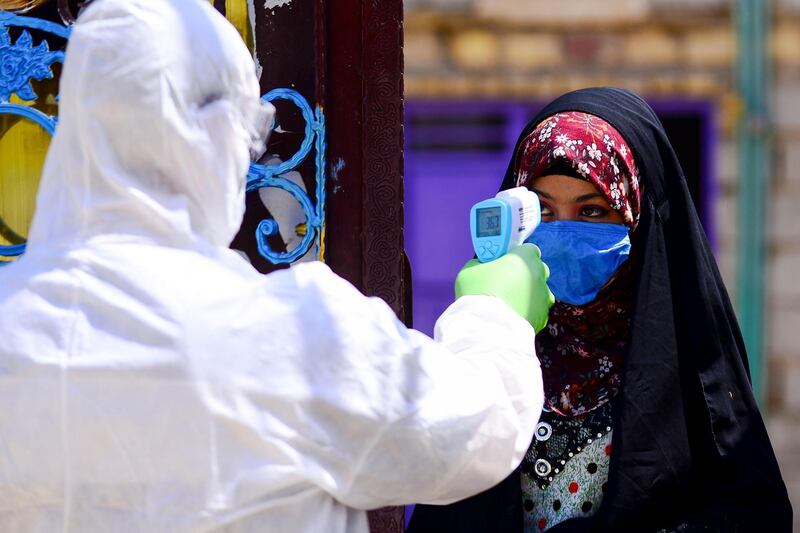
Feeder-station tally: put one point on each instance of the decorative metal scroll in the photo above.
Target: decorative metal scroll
(20, 63)
(270, 176)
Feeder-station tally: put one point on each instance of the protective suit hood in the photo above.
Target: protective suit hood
(159, 110)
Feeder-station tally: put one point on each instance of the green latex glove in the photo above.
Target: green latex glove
(519, 278)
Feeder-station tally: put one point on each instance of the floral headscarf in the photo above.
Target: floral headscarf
(594, 149)
(582, 348)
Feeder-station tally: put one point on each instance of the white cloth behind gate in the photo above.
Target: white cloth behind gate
(151, 380)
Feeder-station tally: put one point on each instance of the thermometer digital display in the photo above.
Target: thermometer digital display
(488, 221)
(501, 223)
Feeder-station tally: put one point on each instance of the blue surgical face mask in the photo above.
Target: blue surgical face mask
(582, 256)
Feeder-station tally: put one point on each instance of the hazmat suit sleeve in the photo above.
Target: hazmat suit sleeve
(429, 421)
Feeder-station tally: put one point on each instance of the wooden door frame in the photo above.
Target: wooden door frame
(364, 111)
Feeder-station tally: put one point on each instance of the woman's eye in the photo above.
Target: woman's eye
(593, 211)
(546, 211)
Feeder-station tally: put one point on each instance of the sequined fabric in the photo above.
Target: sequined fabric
(564, 474)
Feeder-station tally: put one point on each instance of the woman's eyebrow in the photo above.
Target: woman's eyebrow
(542, 193)
(590, 196)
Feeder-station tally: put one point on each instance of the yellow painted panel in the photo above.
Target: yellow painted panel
(23, 145)
(237, 13)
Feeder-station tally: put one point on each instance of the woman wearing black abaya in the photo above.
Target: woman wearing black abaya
(650, 423)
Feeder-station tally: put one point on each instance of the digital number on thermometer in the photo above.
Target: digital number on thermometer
(488, 221)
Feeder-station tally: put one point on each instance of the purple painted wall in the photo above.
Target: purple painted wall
(442, 185)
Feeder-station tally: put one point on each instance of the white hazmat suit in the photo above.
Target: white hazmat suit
(152, 381)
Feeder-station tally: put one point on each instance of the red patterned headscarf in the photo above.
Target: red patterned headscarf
(596, 152)
(582, 348)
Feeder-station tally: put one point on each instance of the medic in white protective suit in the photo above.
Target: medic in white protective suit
(152, 381)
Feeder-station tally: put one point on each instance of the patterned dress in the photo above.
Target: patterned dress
(564, 474)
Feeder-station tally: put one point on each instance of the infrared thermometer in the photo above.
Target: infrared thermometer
(504, 222)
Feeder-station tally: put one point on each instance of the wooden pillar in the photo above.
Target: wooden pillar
(364, 109)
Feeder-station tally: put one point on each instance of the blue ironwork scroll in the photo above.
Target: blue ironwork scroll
(270, 176)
